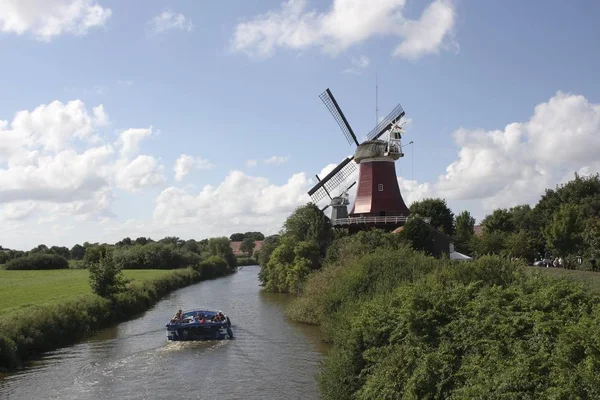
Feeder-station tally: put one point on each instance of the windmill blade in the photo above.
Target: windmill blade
(333, 179)
(338, 115)
(350, 187)
(325, 208)
(386, 123)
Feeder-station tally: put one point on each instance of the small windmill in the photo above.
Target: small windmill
(378, 193)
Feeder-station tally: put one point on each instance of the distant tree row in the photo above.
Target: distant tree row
(564, 223)
(239, 237)
(141, 253)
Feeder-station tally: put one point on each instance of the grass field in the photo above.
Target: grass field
(22, 289)
(590, 279)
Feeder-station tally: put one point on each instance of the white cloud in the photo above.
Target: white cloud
(427, 35)
(56, 162)
(130, 139)
(168, 20)
(186, 163)
(43, 188)
(507, 167)
(344, 24)
(141, 172)
(276, 160)
(263, 206)
(358, 65)
(46, 19)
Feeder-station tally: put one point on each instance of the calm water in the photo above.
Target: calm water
(271, 358)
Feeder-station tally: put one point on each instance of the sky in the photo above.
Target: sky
(199, 119)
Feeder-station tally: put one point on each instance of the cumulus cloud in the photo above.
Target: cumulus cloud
(46, 19)
(168, 20)
(264, 205)
(502, 168)
(346, 23)
(55, 162)
(186, 163)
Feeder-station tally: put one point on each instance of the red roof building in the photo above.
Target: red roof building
(235, 246)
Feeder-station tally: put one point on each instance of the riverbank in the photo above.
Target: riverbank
(405, 325)
(41, 327)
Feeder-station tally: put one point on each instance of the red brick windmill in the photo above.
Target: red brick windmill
(378, 201)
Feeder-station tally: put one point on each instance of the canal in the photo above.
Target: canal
(270, 357)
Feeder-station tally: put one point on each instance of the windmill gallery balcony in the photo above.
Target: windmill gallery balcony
(383, 220)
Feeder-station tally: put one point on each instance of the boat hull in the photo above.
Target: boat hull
(195, 333)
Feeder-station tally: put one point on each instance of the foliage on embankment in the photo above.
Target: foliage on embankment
(24, 335)
(406, 325)
(37, 262)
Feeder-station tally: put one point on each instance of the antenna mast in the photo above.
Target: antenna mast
(376, 101)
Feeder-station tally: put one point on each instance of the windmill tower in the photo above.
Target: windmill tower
(378, 201)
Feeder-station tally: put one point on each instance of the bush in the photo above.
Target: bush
(38, 261)
(155, 256)
(213, 267)
(242, 261)
(106, 279)
(481, 329)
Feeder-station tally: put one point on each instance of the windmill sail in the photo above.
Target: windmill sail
(333, 179)
(386, 123)
(338, 115)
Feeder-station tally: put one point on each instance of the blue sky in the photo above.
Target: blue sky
(228, 82)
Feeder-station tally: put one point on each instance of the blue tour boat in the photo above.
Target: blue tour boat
(199, 324)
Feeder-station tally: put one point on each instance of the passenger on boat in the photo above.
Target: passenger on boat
(177, 317)
(219, 317)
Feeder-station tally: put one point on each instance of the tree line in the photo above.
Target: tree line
(141, 253)
(564, 223)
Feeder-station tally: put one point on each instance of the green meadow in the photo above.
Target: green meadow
(22, 289)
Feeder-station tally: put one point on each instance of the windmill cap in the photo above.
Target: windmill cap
(372, 149)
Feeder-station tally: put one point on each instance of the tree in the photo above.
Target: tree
(269, 244)
(565, 234)
(442, 218)
(61, 251)
(142, 240)
(77, 252)
(174, 240)
(248, 246)
(237, 237)
(254, 235)
(42, 248)
(500, 220)
(125, 242)
(192, 245)
(419, 234)
(220, 246)
(464, 224)
(105, 275)
(309, 223)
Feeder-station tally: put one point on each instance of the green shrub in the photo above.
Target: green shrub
(38, 261)
(243, 261)
(467, 330)
(106, 278)
(155, 256)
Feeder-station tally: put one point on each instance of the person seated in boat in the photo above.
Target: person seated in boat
(177, 317)
(219, 317)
